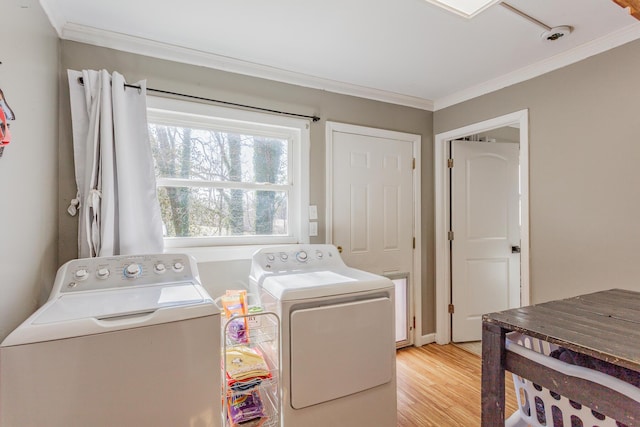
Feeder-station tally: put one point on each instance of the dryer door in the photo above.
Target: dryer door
(341, 349)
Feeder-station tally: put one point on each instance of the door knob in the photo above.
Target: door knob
(515, 249)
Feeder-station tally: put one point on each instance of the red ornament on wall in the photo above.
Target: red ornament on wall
(6, 114)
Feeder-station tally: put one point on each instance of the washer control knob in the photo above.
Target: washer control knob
(81, 274)
(159, 268)
(132, 270)
(284, 256)
(102, 273)
(178, 266)
(302, 256)
(319, 254)
(271, 257)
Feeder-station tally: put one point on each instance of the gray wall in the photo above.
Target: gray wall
(28, 190)
(216, 84)
(584, 136)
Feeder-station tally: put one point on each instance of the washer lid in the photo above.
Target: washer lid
(95, 312)
(118, 302)
(312, 284)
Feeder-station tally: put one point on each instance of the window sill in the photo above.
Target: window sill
(219, 253)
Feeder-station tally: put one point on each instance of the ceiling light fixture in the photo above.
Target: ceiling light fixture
(550, 34)
(466, 8)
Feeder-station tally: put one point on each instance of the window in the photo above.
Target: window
(227, 176)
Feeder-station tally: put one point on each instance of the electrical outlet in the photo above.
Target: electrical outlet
(313, 212)
(313, 229)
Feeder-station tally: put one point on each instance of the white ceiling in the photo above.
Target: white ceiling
(407, 52)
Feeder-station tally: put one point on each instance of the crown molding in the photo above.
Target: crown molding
(615, 39)
(152, 48)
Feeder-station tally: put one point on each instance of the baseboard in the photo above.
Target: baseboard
(426, 339)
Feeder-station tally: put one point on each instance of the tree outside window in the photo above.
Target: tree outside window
(225, 170)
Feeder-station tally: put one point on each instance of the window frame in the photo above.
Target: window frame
(175, 112)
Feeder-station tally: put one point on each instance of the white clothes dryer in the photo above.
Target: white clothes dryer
(338, 343)
(122, 341)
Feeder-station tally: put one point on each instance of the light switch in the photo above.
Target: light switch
(313, 212)
(313, 229)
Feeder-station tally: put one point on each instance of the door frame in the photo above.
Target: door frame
(415, 308)
(442, 208)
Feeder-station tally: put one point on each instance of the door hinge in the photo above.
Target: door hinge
(451, 309)
(414, 243)
(413, 165)
(450, 235)
(449, 163)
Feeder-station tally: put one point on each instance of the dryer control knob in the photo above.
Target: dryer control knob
(81, 274)
(159, 268)
(302, 256)
(178, 266)
(132, 270)
(103, 273)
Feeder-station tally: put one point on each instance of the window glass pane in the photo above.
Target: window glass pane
(210, 212)
(210, 155)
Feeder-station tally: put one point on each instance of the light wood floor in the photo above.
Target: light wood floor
(439, 386)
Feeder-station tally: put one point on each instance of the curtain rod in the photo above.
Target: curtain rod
(200, 98)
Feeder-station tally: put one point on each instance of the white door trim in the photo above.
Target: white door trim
(443, 278)
(416, 289)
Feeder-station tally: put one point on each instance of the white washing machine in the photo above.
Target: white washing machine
(123, 341)
(338, 345)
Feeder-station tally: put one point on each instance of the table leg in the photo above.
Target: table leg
(493, 359)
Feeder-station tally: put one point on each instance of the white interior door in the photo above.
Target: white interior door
(372, 205)
(485, 220)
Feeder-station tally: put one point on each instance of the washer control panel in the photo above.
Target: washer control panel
(288, 258)
(124, 271)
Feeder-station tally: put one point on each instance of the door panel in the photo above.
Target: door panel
(359, 219)
(340, 349)
(391, 227)
(485, 221)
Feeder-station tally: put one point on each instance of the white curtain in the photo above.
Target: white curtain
(118, 207)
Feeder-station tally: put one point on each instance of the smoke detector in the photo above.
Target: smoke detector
(556, 33)
(550, 34)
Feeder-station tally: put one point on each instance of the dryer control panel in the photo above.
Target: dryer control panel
(290, 258)
(124, 271)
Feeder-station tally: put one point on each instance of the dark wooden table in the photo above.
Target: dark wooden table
(605, 325)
